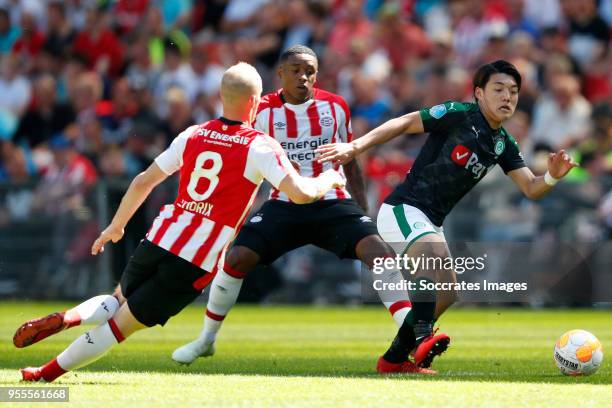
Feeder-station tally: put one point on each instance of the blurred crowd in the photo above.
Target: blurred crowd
(93, 90)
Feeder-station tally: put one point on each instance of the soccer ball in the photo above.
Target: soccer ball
(578, 352)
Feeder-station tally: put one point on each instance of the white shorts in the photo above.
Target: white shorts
(402, 225)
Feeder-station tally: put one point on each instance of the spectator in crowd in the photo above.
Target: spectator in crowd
(207, 16)
(15, 89)
(350, 26)
(31, 41)
(441, 57)
(457, 85)
(175, 73)
(605, 213)
(561, 117)
(86, 93)
(116, 164)
(8, 33)
(129, 14)
(240, 16)
(175, 13)
(99, 45)
(496, 45)
(46, 116)
(179, 114)
(588, 32)
(518, 19)
(66, 182)
(271, 26)
(159, 37)
(140, 68)
(543, 13)
(554, 46)
(206, 73)
(402, 88)
(471, 27)
(60, 32)
(367, 103)
(116, 113)
(16, 169)
(300, 24)
(399, 37)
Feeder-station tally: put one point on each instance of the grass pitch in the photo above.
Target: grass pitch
(304, 356)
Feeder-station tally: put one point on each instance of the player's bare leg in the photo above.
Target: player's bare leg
(417, 331)
(88, 348)
(224, 291)
(93, 311)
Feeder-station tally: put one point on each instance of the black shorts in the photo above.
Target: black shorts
(158, 284)
(279, 227)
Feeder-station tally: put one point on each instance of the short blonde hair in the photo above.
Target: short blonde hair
(240, 81)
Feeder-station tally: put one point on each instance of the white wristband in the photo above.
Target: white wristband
(550, 180)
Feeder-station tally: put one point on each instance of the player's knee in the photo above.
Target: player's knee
(371, 248)
(430, 260)
(117, 295)
(241, 259)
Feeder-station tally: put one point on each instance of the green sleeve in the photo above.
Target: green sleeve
(511, 158)
(441, 117)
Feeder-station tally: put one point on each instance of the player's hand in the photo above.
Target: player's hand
(336, 179)
(560, 163)
(337, 153)
(111, 233)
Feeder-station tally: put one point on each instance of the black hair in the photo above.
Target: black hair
(483, 74)
(294, 50)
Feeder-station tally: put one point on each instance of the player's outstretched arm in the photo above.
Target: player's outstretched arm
(534, 188)
(343, 153)
(137, 192)
(304, 190)
(268, 160)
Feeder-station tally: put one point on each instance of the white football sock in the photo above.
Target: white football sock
(224, 292)
(96, 310)
(399, 310)
(397, 300)
(90, 346)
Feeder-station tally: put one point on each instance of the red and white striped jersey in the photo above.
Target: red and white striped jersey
(300, 129)
(222, 164)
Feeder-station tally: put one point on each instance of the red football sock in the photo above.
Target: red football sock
(52, 370)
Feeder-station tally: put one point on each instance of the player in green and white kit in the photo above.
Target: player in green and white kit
(465, 141)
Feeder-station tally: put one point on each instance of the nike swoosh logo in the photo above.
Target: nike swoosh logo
(461, 156)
